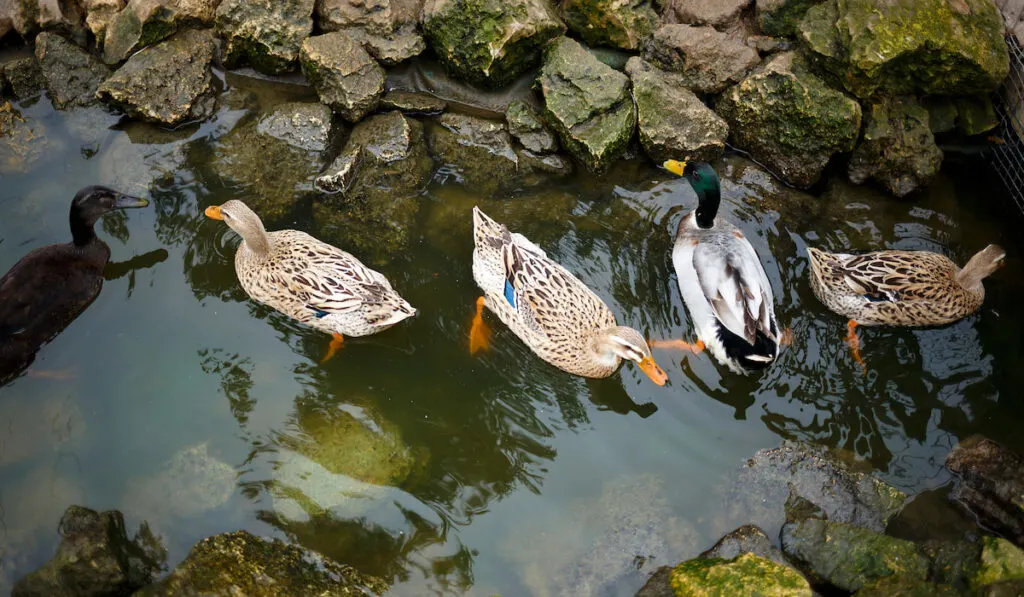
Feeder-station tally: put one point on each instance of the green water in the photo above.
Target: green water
(182, 403)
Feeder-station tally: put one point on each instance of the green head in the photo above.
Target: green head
(704, 180)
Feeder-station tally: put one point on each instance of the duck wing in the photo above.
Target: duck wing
(735, 285)
(894, 276)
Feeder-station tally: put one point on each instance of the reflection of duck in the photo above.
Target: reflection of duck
(900, 288)
(722, 281)
(52, 285)
(310, 280)
(551, 310)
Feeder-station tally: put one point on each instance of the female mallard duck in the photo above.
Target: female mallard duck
(900, 288)
(551, 310)
(722, 282)
(48, 288)
(309, 280)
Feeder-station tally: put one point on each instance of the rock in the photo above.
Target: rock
(70, 73)
(536, 168)
(145, 22)
(99, 14)
(189, 483)
(613, 23)
(479, 150)
(905, 586)
(412, 102)
(588, 103)
(954, 563)
(897, 148)
(345, 77)
(1000, 561)
(989, 485)
(22, 142)
(136, 167)
(781, 17)
(674, 123)
(765, 44)
(942, 113)
(904, 47)
(525, 124)
(266, 35)
(1006, 588)
(772, 478)
(746, 539)
(304, 491)
(489, 42)
(24, 76)
(708, 59)
(975, 115)
(717, 13)
(848, 557)
(95, 557)
(240, 563)
(790, 120)
(659, 585)
(426, 76)
(387, 29)
(169, 83)
(303, 125)
(29, 17)
(745, 576)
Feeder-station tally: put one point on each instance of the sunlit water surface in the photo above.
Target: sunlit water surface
(182, 403)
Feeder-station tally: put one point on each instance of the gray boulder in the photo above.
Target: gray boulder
(525, 124)
(345, 77)
(95, 557)
(897, 148)
(495, 54)
(240, 563)
(412, 102)
(674, 123)
(613, 23)
(789, 119)
(782, 17)
(266, 35)
(24, 76)
(71, 74)
(170, 82)
(990, 481)
(145, 22)
(708, 59)
(387, 29)
(717, 13)
(587, 102)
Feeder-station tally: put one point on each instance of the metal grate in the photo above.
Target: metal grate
(1008, 158)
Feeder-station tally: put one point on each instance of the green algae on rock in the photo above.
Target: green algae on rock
(145, 22)
(975, 115)
(909, 46)
(1000, 560)
(265, 35)
(789, 119)
(674, 123)
(899, 585)
(897, 148)
(587, 102)
(344, 75)
(781, 17)
(613, 23)
(240, 563)
(747, 575)
(489, 41)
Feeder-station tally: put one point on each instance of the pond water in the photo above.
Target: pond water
(182, 403)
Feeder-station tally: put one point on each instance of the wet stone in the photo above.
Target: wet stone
(264, 35)
(303, 125)
(23, 143)
(745, 576)
(479, 150)
(387, 29)
(990, 481)
(71, 74)
(190, 483)
(612, 23)
(905, 586)
(346, 78)
(746, 539)
(525, 124)
(717, 13)
(412, 102)
(707, 59)
(24, 76)
(145, 22)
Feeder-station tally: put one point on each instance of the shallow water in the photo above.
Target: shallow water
(182, 403)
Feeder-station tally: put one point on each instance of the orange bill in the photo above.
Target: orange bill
(653, 371)
(213, 212)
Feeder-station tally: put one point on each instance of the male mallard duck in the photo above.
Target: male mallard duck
(900, 288)
(310, 280)
(551, 310)
(48, 288)
(722, 282)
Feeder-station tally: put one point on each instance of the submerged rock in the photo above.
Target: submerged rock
(304, 125)
(135, 167)
(345, 77)
(708, 60)
(718, 13)
(480, 150)
(145, 22)
(170, 82)
(975, 115)
(848, 557)
(899, 585)
(674, 123)
(909, 46)
(790, 120)
(412, 102)
(489, 41)
(613, 23)
(897, 148)
(95, 557)
(240, 563)
(746, 539)
(22, 142)
(782, 17)
(387, 29)
(745, 576)
(71, 74)
(588, 103)
(267, 34)
(24, 76)
(990, 481)
(525, 124)
(190, 483)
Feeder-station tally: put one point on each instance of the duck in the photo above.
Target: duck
(310, 281)
(899, 288)
(722, 282)
(554, 313)
(52, 285)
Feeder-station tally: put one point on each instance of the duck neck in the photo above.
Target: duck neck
(81, 229)
(707, 206)
(257, 240)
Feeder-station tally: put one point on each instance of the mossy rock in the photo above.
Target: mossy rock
(1000, 561)
(975, 115)
(613, 23)
(905, 586)
(745, 576)
(526, 125)
(781, 17)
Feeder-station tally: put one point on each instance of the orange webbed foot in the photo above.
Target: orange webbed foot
(695, 348)
(479, 333)
(854, 343)
(336, 343)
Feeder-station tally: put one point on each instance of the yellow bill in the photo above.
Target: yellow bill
(674, 166)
